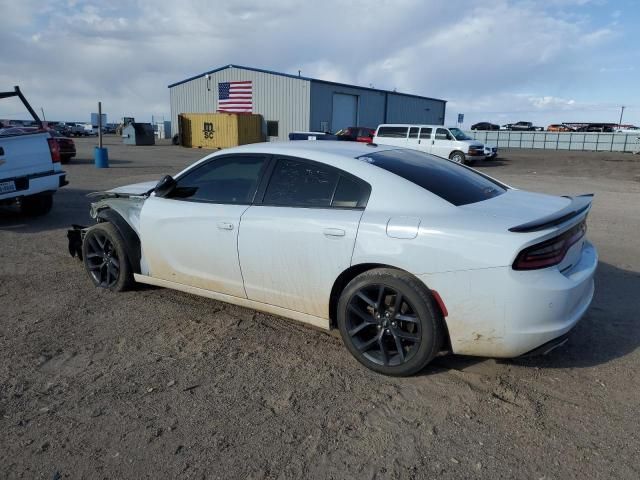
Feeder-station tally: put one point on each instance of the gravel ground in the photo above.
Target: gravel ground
(154, 383)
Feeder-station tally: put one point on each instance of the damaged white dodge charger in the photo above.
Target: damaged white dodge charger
(405, 253)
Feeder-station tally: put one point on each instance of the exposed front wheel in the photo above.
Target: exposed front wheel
(105, 258)
(389, 322)
(457, 157)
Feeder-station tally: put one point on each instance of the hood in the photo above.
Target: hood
(135, 189)
(515, 207)
(474, 143)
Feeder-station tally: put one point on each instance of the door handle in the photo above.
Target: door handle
(225, 226)
(334, 232)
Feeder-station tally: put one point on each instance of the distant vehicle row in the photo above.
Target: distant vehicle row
(557, 127)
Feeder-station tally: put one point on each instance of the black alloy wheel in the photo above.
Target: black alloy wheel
(390, 322)
(383, 325)
(105, 257)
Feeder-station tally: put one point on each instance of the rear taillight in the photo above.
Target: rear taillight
(54, 148)
(550, 252)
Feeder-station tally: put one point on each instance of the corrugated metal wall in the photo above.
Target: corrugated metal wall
(406, 109)
(275, 97)
(371, 107)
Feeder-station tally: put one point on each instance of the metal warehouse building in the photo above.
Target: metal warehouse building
(294, 103)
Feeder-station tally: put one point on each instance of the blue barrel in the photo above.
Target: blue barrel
(101, 157)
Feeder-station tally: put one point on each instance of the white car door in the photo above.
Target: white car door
(191, 236)
(420, 139)
(297, 238)
(443, 143)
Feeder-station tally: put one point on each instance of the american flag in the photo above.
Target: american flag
(235, 97)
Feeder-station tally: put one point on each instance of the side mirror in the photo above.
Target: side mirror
(165, 186)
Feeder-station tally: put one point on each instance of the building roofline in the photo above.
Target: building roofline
(309, 79)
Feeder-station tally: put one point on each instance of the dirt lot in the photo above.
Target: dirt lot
(159, 384)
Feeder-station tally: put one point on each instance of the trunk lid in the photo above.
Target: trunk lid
(24, 154)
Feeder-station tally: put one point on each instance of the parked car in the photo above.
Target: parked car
(559, 127)
(356, 134)
(485, 126)
(597, 127)
(311, 136)
(445, 142)
(522, 126)
(490, 152)
(371, 240)
(30, 171)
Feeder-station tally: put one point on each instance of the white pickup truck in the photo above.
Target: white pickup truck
(30, 171)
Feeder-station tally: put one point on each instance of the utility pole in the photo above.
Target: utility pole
(621, 113)
(43, 117)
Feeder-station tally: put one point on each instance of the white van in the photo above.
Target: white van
(446, 142)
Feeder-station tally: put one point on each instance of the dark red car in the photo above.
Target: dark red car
(357, 134)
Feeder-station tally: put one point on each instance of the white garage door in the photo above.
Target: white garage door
(345, 111)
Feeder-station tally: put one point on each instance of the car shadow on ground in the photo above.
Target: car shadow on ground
(91, 161)
(69, 206)
(496, 162)
(609, 330)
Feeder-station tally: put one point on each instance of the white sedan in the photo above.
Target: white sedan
(405, 253)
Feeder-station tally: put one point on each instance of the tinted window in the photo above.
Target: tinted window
(452, 182)
(392, 132)
(425, 133)
(272, 128)
(442, 134)
(413, 132)
(301, 184)
(351, 193)
(227, 180)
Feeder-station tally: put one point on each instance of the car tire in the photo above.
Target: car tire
(387, 338)
(105, 258)
(457, 157)
(36, 205)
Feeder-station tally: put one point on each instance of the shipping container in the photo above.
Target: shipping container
(219, 130)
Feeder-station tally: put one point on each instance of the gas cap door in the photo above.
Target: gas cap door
(403, 227)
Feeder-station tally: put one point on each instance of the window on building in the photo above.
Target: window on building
(272, 128)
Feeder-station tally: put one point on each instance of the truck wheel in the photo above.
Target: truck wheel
(457, 157)
(35, 205)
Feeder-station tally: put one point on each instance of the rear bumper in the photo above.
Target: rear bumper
(34, 184)
(522, 310)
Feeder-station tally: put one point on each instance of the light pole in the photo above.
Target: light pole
(621, 113)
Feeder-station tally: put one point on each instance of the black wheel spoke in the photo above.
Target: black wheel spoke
(115, 262)
(359, 328)
(383, 350)
(412, 337)
(369, 302)
(368, 344)
(399, 347)
(406, 318)
(361, 313)
(398, 303)
(380, 297)
(94, 255)
(95, 246)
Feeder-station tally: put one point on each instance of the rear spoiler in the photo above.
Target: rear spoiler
(17, 93)
(579, 204)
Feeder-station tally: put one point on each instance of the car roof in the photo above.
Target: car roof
(298, 147)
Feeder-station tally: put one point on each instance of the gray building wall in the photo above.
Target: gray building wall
(371, 107)
(275, 97)
(408, 109)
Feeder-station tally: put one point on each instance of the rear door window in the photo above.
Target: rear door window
(450, 181)
(425, 133)
(301, 184)
(392, 132)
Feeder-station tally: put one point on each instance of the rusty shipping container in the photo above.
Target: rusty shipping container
(219, 130)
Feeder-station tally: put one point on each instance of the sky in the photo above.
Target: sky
(502, 61)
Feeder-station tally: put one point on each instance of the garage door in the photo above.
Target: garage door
(345, 111)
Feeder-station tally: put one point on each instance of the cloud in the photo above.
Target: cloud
(70, 54)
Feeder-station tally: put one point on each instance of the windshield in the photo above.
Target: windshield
(459, 134)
